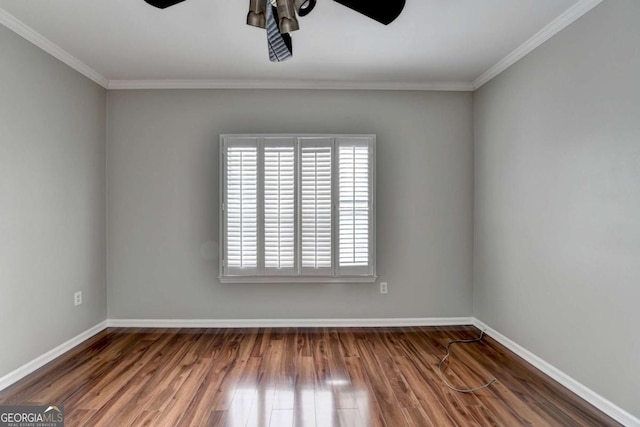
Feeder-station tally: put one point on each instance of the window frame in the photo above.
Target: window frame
(260, 274)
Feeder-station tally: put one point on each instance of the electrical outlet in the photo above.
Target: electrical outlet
(77, 298)
(383, 288)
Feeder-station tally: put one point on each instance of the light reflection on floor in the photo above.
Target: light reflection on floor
(337, 402)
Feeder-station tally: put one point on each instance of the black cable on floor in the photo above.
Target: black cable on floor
(440, 370)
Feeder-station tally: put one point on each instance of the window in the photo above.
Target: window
(297, 208)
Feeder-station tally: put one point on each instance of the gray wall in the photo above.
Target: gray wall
(557, 202)
(163, 202)
(52, 202)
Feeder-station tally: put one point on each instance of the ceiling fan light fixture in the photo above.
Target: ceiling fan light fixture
(256, 17)
(287, 15)
(288, 25)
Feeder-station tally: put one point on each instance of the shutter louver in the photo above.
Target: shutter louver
(279, 207)
(354, 207)
(241, 208)
(316, 211)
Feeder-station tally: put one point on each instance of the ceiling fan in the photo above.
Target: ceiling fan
(278, 17)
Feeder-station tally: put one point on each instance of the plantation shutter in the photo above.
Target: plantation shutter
(240, 206)
(316, 206)
(279, 206)
(297, 208)
(354, 206)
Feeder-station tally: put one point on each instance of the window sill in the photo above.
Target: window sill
(297, 279)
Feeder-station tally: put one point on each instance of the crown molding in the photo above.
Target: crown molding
(288, 84)
(550, 30)
(23, 30)
(557, 25)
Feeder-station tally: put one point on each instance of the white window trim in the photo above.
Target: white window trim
(265, 277)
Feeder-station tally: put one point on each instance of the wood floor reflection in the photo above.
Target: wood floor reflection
(296, 377)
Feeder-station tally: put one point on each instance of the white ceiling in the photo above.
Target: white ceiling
(433, 41)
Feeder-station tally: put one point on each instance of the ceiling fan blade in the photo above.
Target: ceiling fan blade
(384, 12)
(163, 4)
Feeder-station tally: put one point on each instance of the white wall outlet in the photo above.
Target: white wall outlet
(77, 298)
(383, 288)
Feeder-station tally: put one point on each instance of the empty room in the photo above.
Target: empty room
(319, 213)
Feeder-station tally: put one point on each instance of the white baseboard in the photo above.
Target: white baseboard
(606, 406)
(584, 392)
(35, 364)
(284, 323)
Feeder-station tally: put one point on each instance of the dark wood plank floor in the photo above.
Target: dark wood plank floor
(297, 377)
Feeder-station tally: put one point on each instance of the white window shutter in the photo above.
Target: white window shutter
(241, 206)
(355, 206)
(279, 207)
(316, 206)
(297, 207)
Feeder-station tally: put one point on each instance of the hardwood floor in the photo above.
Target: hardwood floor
(297, 377)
